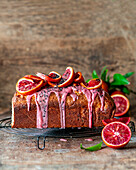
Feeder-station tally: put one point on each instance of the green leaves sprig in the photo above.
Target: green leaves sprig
(118, 82)
(92, 148)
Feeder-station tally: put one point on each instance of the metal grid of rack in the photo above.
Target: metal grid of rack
(5, 125)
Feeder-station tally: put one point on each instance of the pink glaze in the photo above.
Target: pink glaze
(102, 100)
(42, 99)
(89, 139)
(74, 96)
(39, 113)
(63, 140)
(28, 100)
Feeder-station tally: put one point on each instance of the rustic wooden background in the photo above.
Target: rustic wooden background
(43, 35)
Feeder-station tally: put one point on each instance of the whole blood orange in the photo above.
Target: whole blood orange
(26, 86)
(105, 86)
(124, 120)
(122, 104)
(92, 84)
(116, 135)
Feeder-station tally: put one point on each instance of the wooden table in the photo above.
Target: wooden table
(43, 35)
(21, 152)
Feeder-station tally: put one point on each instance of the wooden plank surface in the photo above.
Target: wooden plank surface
(19, 152)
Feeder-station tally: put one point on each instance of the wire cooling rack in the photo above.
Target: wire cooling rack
(5, 125)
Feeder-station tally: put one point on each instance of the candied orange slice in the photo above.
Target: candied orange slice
(27, 86)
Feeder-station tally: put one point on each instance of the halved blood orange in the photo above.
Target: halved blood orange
(124, 120)
(116, 135)
(117, 92)
(67, 77)
(26, 86)
(78, 77)
(122, 104)
(92, 84)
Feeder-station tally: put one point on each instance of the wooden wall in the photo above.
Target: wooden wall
(43, 35)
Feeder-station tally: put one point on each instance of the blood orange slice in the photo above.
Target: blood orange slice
(26, 86)
(67, 77)
(78, 77)
(122, 104)
(35, 78)
(52, 77)
(93, 84)
(124, 120)
(116, 135)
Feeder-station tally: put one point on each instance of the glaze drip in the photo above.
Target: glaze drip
(42, 100)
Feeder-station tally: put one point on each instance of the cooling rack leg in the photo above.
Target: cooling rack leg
(38, 142)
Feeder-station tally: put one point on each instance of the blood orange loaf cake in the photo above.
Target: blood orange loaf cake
(74, 105)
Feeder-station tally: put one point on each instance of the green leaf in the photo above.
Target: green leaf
(128, 74)
(104, 68)
(119, 79)
(125, 90)
(88, 80)
(94, 74)
(103, 75)
(108, 79)
(92, 148)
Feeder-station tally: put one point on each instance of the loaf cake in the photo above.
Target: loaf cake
(62, 107)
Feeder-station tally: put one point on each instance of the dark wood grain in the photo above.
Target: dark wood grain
(20, 152)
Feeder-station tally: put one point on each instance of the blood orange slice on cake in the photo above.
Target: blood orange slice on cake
(35, 78)
(122, 104)
(116, 135)
(54, 76)
(26, 86)
(124, 120)
(67, 77)
(78, 77)
(93, 84)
